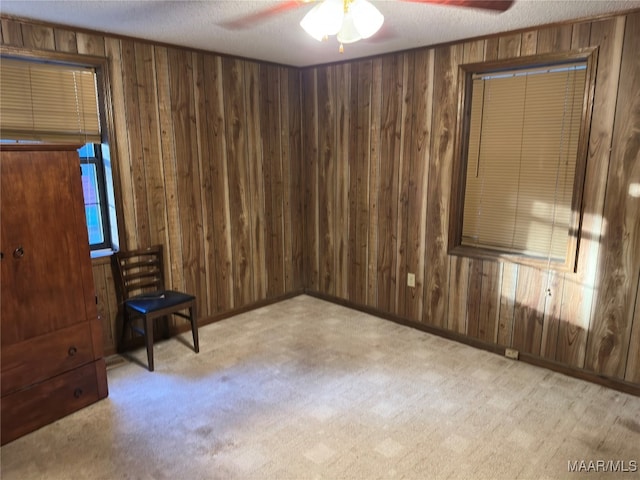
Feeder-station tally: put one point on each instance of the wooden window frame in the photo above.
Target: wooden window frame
(465, 75)
(101, 66)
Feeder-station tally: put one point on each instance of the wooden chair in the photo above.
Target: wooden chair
(139, 278)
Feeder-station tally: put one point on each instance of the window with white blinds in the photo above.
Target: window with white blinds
(523, 138)
(48, 102)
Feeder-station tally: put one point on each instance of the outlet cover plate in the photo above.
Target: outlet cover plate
(511, 353)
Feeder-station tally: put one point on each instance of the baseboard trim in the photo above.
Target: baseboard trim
(592, 377)
(246, 308)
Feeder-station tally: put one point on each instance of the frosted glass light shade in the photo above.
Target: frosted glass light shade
(367, 19)
(324, 19)
(348, 33)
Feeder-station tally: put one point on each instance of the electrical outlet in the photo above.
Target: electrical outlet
(511, 353)
(411, 279)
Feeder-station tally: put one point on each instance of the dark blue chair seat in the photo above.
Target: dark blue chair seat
(150, 302)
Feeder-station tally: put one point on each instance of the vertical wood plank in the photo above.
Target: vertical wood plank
(552, 313)
(267, 172)
(507, 304)
(38, 36)
(444, 124)
(326, 178)
(509, 46)
(112, 307)
(474, 299)
(421, 135)
(168, 154)
(216, 165)
(183, 115)
(11, 32)
(259, 173)
(205, 166)
(554, 39)
(150, 144)
(295, 142)
(285, 155)
(235, 108)
(91, 44)
(66, 41)
(342, 228)
(490, 303)
(491, 48)
(529, 42)
(276, 228)
(311, 153)
(139, 224)
(458, 294)
(389, 173)
(405, 140)
(529, 310)
(100, 284)
(360, 190)
(374, 182)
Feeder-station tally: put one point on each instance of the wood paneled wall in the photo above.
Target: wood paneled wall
(378, 155)
(262, 180)
(206, 161)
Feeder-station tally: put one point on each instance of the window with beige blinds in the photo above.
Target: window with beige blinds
(48, 102)
(523, 138)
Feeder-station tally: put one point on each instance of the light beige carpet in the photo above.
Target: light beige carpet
(306, 389)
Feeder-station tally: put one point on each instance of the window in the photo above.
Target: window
(59, 103)
(521, 156)
(99, 201)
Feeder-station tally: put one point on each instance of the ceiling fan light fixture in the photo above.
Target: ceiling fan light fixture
(367, 19)
(324, 19)
(350, 20)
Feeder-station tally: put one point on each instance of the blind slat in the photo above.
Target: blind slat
(521, 162)
(48, 102)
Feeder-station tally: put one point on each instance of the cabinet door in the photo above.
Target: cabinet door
(43, 242)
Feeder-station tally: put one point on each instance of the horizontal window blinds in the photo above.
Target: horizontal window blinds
(47, 102)
(523, 142)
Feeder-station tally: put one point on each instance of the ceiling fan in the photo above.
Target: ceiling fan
(349, 20)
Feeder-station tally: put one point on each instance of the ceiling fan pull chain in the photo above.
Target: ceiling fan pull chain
(341, 49)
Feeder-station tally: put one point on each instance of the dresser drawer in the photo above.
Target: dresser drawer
(27, 410)
(39, 358)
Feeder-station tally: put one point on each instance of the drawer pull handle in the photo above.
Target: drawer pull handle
(18, 253)
(77, 392)
(72, 351)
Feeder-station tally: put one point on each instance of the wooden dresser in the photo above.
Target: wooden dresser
(51, 337)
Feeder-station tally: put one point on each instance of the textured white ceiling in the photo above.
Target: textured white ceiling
(279, 38)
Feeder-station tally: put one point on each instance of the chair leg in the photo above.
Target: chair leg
(125, 324)
(148, 336)
(194, 327)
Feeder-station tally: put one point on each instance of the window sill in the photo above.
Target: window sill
(105, 252)
(498, 256)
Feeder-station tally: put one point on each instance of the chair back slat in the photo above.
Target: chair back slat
(139, 271)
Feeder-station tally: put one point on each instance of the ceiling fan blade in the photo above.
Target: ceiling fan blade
(497, 5)
(252, 19)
